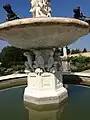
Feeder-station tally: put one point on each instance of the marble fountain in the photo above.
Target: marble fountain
(42, 35)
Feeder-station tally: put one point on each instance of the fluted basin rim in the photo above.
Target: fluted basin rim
(43, 21)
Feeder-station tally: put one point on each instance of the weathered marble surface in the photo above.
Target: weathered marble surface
(41, 8)
(37, 33)
(44, 89)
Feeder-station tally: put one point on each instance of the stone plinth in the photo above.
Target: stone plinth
(48, 114)
(44, 89)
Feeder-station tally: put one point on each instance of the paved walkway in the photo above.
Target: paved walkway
(86, 71)
(12, 76)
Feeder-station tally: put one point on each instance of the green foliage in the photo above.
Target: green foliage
(2, 70)
(12, 60)
(84, 50)
(11, 56)
(80, 63)
(19, 68)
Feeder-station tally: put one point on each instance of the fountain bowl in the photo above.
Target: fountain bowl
(40, 33)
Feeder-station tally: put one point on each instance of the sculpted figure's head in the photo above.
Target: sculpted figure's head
(33, 2)
(7, 7)
(77, 9)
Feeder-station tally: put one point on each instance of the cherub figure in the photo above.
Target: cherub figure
(50, 61)
(40, 8)
(39, 61)
(28, 63)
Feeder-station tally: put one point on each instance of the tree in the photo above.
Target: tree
(12, 56)
(80, 62)
(75, 51)
(84, 50)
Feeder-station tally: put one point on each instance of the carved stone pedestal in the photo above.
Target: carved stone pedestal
(45, 114)
(44, 89)
(44, 79)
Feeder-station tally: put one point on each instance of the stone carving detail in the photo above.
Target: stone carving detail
(40, 8)
(39, 65)
(39, 61)
(29, 61)
(50, 61)
(38, 71)
(57, 59)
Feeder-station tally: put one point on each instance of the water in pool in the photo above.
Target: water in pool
(77, 107)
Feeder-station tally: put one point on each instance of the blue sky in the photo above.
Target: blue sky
(59, 8)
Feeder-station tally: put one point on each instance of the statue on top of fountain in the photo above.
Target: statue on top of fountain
(79, 15)
(40, 8)
(10, 14)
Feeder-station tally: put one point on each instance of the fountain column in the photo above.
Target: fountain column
(44, 79)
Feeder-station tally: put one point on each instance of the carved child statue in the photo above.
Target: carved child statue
(57, 59)
(28, 63)
(50, 61)
(39, 61)
(40, 8)
(10, 14)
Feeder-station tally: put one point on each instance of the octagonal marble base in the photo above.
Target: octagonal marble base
(48, 114)
(44, 89)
